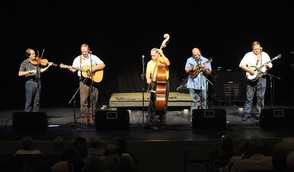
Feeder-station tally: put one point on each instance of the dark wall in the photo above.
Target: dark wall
(121, 33)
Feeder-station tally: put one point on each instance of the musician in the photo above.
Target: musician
(88, 87)
(198, 67)
(31, 69)
(157, 58)
(251, 61)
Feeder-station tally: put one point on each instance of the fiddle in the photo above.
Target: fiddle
(42, 62)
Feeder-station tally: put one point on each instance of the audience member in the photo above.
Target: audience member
(95, 146)
(111, 148)
(290, 161)
(27, 147)
(123, 148)
(80, 144)
(280, 153)
(242, 151)
(71, 161)
(93, 163)
(257, 160)
(57, 145)
(219, 159)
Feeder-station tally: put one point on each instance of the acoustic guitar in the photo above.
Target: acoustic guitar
(97, 76)
(257, 70)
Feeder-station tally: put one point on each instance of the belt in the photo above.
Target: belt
(31, 78)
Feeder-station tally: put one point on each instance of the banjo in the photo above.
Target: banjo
(257, 70)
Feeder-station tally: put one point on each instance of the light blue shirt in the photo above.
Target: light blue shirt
(198, 82)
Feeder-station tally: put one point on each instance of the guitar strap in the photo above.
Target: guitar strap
(257, 61)
(81, 59)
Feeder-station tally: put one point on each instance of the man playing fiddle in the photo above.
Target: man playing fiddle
(31, 69)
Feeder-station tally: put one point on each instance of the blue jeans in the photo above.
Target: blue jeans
(257, 88)
(195, 98)
(32, 89)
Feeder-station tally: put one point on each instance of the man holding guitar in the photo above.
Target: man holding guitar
(255, 63)
(89, 67)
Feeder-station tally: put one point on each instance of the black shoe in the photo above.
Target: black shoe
(257, 117)
(245, 117)
(162, 125)
(151, 127)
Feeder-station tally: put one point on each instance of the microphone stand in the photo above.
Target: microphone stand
(207, 80)
(143, 89)
(74, 105)
(272, 84)
(91, 88)
(200, 105)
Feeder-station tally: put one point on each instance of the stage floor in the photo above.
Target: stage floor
(67, 121)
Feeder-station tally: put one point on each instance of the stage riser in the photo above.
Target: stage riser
(136, 100)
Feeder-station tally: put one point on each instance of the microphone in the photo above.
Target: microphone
(90, 52)
(260, 48)
(143, 56)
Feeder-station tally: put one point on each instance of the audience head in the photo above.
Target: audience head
(122, 144)
(227, 142)
(95, 141)
(111, 148)
(27, 142)
(80, 144)
(58, 144)
(256, 145)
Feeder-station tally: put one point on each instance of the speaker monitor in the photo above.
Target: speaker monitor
(208, 118)
(29, 121)
(112, 120)
(276, 117)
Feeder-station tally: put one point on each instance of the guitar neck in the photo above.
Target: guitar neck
(70, 67)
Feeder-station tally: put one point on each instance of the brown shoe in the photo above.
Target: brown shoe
(84, 120)
(190, 120)
(90, 121)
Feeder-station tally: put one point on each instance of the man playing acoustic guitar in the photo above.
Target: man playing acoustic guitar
(257, 84)
(88, 82)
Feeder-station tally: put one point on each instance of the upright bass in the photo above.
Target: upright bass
(160, 93)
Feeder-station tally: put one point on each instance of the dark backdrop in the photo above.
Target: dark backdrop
(120, 33)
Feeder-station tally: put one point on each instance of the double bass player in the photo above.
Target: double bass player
(157, 75)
